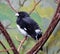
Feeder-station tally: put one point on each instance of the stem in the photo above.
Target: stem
(3, 47)
(21, 43)
(34, 6)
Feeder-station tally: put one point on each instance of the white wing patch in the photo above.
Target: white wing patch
(25, 29)
(22, 31)
(37, 30)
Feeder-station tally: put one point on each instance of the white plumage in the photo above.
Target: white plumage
(23, 32)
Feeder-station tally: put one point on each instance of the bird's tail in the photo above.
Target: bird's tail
(39, 35)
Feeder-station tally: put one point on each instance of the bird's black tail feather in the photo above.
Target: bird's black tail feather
(39, 35)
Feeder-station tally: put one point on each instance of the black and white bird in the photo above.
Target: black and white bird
(27, 26)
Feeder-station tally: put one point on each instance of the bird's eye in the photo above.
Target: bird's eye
(16, 14)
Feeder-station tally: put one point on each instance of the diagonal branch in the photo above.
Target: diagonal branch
(11, 5)
(9, 40)
(35, 4)
(3, 47)
(6, 50)
(47, 34)
(21, 43)
(22, 3)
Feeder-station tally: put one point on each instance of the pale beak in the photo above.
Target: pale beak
(16, 14)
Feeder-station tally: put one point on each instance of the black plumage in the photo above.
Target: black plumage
(28, 25)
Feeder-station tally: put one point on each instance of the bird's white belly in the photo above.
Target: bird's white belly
(23, 32)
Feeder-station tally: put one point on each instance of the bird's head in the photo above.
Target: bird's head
(22, 14)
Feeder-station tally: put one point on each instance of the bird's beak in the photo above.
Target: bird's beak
(16, 14)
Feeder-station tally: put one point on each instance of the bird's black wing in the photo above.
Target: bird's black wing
(31, 23)
(31, 26)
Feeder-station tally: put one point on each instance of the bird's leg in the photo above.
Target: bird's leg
(21, 43)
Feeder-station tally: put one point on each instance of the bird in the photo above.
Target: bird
(27, 26)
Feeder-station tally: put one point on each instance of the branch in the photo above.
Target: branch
(3, 47)
(0, 32)
(47, 34)
(22, 3)
(57, 1)
(6, 50)
(21, 43)
(35, 4)
(11, 5)
(9, 40)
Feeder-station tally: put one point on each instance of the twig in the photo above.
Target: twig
(6, 50)
(3, 47)
(22, 3)
(47, 34)
(11, 5)
(35, 4)
(21, 43)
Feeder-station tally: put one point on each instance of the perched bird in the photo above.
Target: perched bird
(27, 26)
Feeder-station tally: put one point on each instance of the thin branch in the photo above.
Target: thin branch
(10, 28)
(7, 28)
(11, 5)
(35, 4)
(22, 3)
(6, 50)
(47, 34)
(21, 43)
(3, 47)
